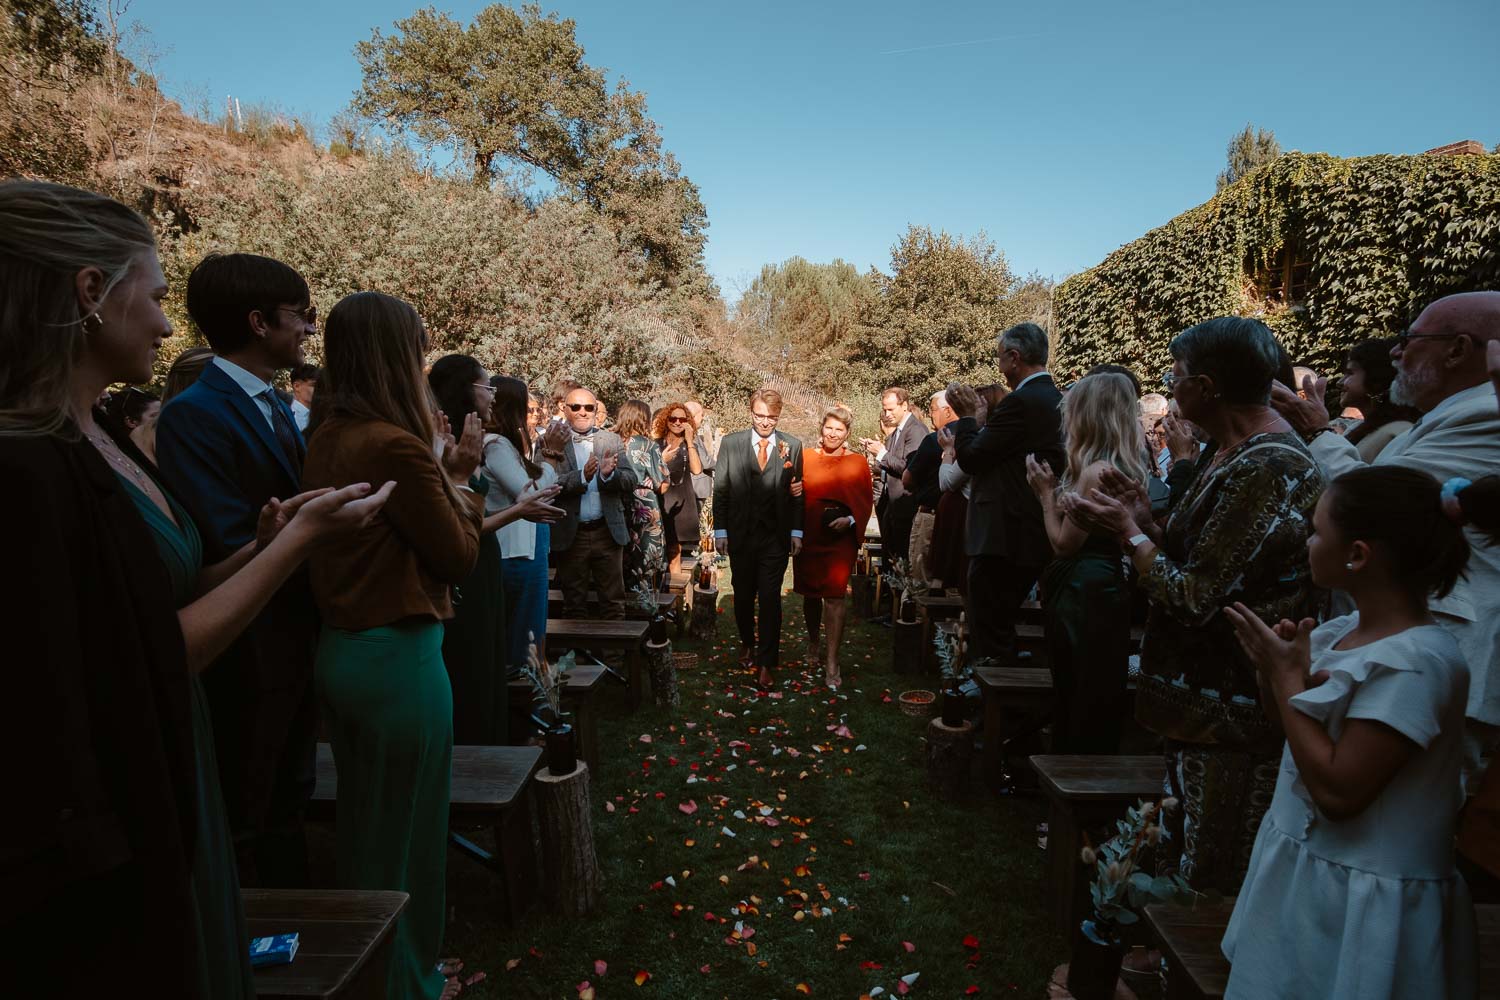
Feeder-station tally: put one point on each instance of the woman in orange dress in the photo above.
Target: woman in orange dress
(837, 496)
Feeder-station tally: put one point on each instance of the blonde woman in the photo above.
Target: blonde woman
(1085, 596)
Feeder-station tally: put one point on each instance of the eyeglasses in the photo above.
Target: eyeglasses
(585, 407)
(772, 417)
(308, 315)
(1171, 379)
(485, 386)
(1405, 336)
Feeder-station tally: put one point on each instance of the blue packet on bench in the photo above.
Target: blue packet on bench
(279, 949)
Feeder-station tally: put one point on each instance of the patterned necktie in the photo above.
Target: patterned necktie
(760, 452)
(285, 435)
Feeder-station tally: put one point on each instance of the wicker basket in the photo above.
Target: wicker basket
(684, 661)
(919, 703)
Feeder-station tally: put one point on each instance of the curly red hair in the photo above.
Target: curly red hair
(659, 423)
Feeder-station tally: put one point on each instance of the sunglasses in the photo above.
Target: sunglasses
(585, 407)
(677, 420)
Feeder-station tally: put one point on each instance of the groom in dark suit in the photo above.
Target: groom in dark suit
(758, 524)
(226, 445)
(1006, 538)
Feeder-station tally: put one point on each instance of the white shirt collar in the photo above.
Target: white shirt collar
(1459, 398)
(1028, 378)
(755, 441)
(253, 385)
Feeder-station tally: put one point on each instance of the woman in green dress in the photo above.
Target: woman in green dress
(645, 558)
(1085, 596)
(384, 595)
(143, 866)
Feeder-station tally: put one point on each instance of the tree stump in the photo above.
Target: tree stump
(906, 647)
(705, 613)
(663, 674)
(863, 590)
(949, 752)
(571, 879)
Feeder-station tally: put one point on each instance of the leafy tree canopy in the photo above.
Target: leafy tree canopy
(1252, 147)
(513, 85)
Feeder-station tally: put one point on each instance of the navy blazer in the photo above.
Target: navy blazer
(221, 459)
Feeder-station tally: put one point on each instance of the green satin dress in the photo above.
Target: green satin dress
(1086, 602)
(224, 944)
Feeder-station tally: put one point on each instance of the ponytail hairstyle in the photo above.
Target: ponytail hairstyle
(1402, 513)
(49, 233)
(1476, 505)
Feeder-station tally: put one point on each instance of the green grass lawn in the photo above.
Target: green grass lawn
(842, 872)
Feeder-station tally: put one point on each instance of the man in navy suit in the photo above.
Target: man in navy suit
(226, 445)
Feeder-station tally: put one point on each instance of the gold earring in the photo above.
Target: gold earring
(92, 323)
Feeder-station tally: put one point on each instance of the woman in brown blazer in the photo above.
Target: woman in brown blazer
(384, 594)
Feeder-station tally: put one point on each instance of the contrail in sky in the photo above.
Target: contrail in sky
(954, 45)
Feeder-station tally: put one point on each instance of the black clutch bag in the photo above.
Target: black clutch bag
(833, 511)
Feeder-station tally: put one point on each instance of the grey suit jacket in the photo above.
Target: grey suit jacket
(614, 492)
(899, 448)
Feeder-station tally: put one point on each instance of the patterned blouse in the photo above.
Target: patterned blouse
(1239, 533)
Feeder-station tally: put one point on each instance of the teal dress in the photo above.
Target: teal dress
(224, 944)
(1086, 602)
(475, 646)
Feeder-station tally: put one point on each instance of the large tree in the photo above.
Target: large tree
(1250, 148)
(801, 315)
(513, 86)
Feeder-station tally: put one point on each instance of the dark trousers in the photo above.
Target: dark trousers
(997, 588)
(757, 567)
(895, 530)
(593, 558)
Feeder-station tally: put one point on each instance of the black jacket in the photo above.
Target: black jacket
(740, 486)
(1005, 517)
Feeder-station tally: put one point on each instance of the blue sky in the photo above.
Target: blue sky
(823, 130)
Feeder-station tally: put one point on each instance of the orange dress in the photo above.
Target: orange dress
(822, 568)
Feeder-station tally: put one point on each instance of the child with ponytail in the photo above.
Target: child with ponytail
(1352, 890)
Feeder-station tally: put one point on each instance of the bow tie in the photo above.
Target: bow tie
(585, 436)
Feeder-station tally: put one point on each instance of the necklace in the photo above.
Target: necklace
(114, 456)
(1219, 455)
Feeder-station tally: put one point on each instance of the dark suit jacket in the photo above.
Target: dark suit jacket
(740, 484)
(612, 495)
(1005, 517)
(221, 459)
(899, 448)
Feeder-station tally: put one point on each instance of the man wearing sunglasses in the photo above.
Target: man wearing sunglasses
(227, 444)
(588, 546)
(1440, 370)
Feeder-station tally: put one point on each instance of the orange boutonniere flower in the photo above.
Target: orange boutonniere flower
(785, 453)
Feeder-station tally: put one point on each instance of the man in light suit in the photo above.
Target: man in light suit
(588, 546)
(226, 445)
(891, 457)
(758, 523)
(1006, 539)
(1440, 370)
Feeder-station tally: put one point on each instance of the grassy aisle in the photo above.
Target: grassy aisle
(780, 845)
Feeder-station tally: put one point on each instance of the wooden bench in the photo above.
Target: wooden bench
(667, 603)
(1190, 933)
(1017, 700)
(623, 637)
(932, 609)
(488, 786)
(580, 686)
(1086, 793)
(343, 940)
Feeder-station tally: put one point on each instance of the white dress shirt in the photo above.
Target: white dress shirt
(254, 387)
(300, 414)
(590, 507)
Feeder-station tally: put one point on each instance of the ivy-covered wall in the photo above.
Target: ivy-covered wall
(1385, 235)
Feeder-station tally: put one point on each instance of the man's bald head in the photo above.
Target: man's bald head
(579, 407)
(1444, 351)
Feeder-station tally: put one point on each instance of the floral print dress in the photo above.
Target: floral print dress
(645, 557)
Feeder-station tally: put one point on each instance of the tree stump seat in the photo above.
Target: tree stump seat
(1086, 793)
(343, 940)
(489, 787)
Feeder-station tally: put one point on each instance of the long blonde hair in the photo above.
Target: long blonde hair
(1101, 423)
(48, 233)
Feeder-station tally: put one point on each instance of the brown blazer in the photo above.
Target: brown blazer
(403, 563)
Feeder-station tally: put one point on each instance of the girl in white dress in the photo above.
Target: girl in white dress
(1352, 890)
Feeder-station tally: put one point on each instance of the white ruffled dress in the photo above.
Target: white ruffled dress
(1369, 907)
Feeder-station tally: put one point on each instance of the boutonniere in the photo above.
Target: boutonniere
(785, 453)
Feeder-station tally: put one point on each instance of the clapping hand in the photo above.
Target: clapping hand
(1304, 414)
(1129, 492)
(461, 459)
(963, 400)
(327, 515)
(945, 437)
(1181, 444)
(277, 514)
(556, 437)
(590, 467)
(872, 447)
(1283, 654)
(1041, 477)
(608, 464)
(537, 507)
(1099, 512)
